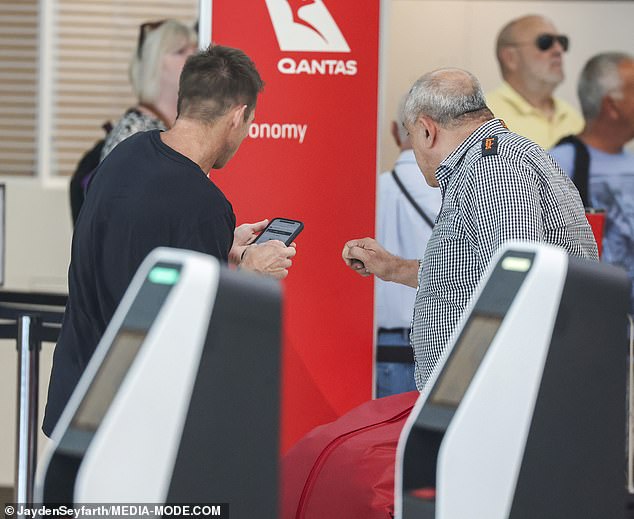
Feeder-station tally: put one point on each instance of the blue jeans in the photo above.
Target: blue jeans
(394, 377)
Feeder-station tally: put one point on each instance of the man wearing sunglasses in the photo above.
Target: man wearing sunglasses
(530, 52)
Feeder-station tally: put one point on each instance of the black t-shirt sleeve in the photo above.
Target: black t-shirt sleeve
(212, 235)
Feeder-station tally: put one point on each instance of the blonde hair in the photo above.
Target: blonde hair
(145, 68)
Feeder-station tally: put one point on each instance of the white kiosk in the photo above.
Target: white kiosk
(525, 416)
(180, 402)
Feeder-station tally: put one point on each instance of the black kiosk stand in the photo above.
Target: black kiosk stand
(180, 402)
(525, 417)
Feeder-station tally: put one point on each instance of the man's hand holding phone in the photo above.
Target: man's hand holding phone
(268, 253)
(271, 258)
(244, 235)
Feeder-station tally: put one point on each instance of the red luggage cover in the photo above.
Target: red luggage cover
(345, 469)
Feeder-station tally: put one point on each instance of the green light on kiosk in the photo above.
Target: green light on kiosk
(163, 276)
(516, 264)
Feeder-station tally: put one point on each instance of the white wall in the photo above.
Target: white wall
(37, 252)
(425, 34)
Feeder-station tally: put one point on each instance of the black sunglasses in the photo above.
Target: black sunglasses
(546, 41)
(144, 30)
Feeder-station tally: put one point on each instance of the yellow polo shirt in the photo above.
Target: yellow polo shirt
(526, 120)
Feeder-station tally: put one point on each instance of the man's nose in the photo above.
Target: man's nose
(558, 47)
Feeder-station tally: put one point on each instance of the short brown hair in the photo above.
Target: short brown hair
(214, 80)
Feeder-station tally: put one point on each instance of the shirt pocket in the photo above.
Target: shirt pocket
(448, 225)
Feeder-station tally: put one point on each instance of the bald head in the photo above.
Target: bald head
(515, 30)
(449, 96)
(530, 53)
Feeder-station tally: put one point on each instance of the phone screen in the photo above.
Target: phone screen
(280, 229)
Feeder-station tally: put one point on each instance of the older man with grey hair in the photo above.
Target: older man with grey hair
(496, 186)
(596, 159)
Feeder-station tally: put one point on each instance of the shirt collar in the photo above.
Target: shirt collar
(514, 98)
(524, 107)
(450, 164)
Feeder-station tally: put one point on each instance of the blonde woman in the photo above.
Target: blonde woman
(161, 52)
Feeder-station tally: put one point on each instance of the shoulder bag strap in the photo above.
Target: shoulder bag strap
(411, 200)
(581, 167)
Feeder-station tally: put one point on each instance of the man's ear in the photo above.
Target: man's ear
(508, 57)
(395, 133)
(429, 129)
(238, 115)
(608, 106)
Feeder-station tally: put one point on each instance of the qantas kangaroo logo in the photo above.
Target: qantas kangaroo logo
(305, 25)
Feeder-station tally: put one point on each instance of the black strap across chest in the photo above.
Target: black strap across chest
(581, 167)
(407, 194)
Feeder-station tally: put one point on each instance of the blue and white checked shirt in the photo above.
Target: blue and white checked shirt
(519, 193)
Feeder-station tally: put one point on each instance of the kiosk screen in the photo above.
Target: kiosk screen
(464, 360)
(108, 379)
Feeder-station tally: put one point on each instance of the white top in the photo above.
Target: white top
(402, 231)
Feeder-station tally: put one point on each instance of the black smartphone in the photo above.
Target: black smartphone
(281, 229)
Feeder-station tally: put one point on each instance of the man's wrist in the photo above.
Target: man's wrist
(404, 271)
(242, 264)
(392, 270)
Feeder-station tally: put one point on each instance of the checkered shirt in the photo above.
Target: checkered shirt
(517, 193)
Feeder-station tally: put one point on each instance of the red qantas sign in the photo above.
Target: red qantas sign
(311, 156)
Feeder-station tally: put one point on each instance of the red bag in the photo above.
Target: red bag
(345, 469)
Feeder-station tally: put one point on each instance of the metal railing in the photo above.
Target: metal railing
(30, 318)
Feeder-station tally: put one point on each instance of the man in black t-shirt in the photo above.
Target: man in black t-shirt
(153, 190)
